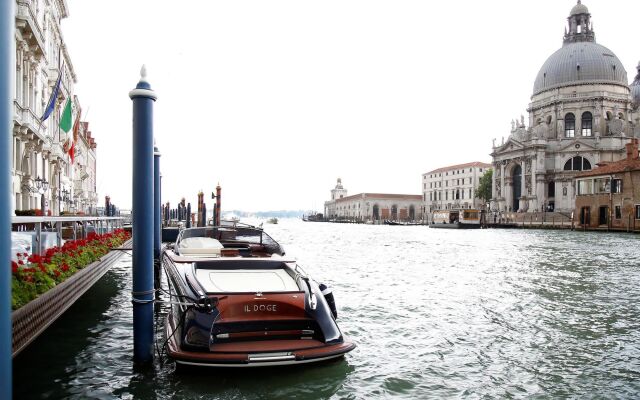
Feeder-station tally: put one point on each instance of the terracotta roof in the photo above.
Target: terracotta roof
(382, 196)
(461, 166)
(613, 168)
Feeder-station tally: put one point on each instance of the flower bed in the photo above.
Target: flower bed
(35, 274)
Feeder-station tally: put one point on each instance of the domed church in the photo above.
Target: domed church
(582, 112)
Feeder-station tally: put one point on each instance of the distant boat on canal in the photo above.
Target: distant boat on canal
(313, 217)
(456, 219)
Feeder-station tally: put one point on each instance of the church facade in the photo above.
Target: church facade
(582, 112)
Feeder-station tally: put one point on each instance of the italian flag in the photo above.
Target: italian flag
(65, 125)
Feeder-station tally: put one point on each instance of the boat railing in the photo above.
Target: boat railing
(71, 227)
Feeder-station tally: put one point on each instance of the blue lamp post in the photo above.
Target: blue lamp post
(143, 219)
(7, 65)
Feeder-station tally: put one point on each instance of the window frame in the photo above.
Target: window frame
(586, 131)
(569, 132)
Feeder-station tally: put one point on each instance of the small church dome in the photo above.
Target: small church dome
(579, 9)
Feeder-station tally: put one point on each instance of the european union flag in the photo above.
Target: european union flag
(51, 105)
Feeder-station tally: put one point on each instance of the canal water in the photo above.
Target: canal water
(435, 313)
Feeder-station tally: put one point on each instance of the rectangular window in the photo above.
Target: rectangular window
(470, 193)
(637, 211)
(585, 187)
(586, 127)
(462, 194)
(601, 185)
(617, 186)
(618, 212)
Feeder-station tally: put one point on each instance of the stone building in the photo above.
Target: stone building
(581, 113)
(452, 187)
(84, 171)
(372, 206)
(609, 195)
(42, 174)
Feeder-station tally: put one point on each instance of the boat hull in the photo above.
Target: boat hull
(455, 226)
(257, 353)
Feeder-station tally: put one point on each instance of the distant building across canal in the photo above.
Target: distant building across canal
(372, 206)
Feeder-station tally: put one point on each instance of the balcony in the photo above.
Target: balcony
(26, 21)
(56, 150)
(25, 117)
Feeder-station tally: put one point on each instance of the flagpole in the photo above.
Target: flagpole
(7, 71)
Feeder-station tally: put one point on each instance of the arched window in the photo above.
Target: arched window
(577, 163)
(569, 125)
(587, 123)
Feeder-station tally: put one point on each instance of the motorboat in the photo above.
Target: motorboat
(238, 301)
(457, 219)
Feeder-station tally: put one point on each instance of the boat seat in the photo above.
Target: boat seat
(200, 246)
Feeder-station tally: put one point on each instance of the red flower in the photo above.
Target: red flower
(20, 262)
(65, 267)
(56, 272)
(42, 268)
(14, 267)
(25, 254)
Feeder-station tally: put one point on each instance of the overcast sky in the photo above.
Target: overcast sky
(277, 99)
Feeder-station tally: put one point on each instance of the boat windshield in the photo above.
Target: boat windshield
(228, 234)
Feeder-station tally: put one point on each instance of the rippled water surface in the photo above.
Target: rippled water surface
(435, 314)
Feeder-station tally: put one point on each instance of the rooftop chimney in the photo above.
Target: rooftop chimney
(632, 149)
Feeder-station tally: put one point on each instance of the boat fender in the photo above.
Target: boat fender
(328, 296)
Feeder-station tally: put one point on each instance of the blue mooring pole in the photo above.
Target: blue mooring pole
(157, 205)
(143, 220)
(7, 71)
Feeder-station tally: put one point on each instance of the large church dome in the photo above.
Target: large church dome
(579, 63)
(580, 60)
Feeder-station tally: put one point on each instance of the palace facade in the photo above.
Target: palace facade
(453, 187)
(582, 112)
(43, 175)
(372, 206)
